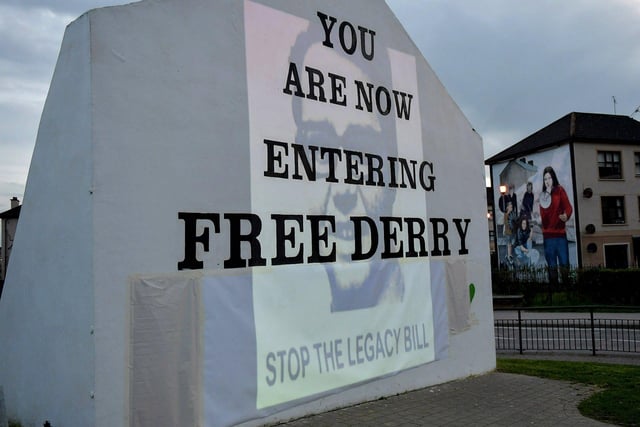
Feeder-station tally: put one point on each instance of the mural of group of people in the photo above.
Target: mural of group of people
(535, 225)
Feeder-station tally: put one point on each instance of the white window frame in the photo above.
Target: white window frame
(604, 161)
(604, 252)
(623, 207)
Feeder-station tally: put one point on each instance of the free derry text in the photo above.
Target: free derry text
(299, 239)
(283, 238)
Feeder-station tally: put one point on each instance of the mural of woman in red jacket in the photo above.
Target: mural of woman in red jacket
(555, 211)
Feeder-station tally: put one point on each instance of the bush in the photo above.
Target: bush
(606, 286)
(574, 285)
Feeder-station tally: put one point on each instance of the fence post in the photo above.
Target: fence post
(520, 331)
(593, 333)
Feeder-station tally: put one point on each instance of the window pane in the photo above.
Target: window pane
(613, 210)
(616, 256)
(637, 160)
(609, 165)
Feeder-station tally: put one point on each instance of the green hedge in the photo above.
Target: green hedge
(605, 286)
(575, 285)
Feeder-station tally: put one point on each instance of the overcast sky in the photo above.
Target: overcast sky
(512, 66)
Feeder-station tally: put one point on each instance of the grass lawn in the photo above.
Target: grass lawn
(617, 403)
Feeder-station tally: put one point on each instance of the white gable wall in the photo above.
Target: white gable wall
(46, 310)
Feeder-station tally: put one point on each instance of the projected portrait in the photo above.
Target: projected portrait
(337, 150)
(355, 138)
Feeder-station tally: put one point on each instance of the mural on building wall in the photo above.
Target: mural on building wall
(534, 211)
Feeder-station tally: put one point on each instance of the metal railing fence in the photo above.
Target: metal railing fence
(582, 328)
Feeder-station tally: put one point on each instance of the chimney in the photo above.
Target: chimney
(15, 202)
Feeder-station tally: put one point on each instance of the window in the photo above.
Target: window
(616, 256)
(637, 160)
(613, 210)
(609, 166)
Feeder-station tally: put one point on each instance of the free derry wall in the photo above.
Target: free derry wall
(242, 212)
